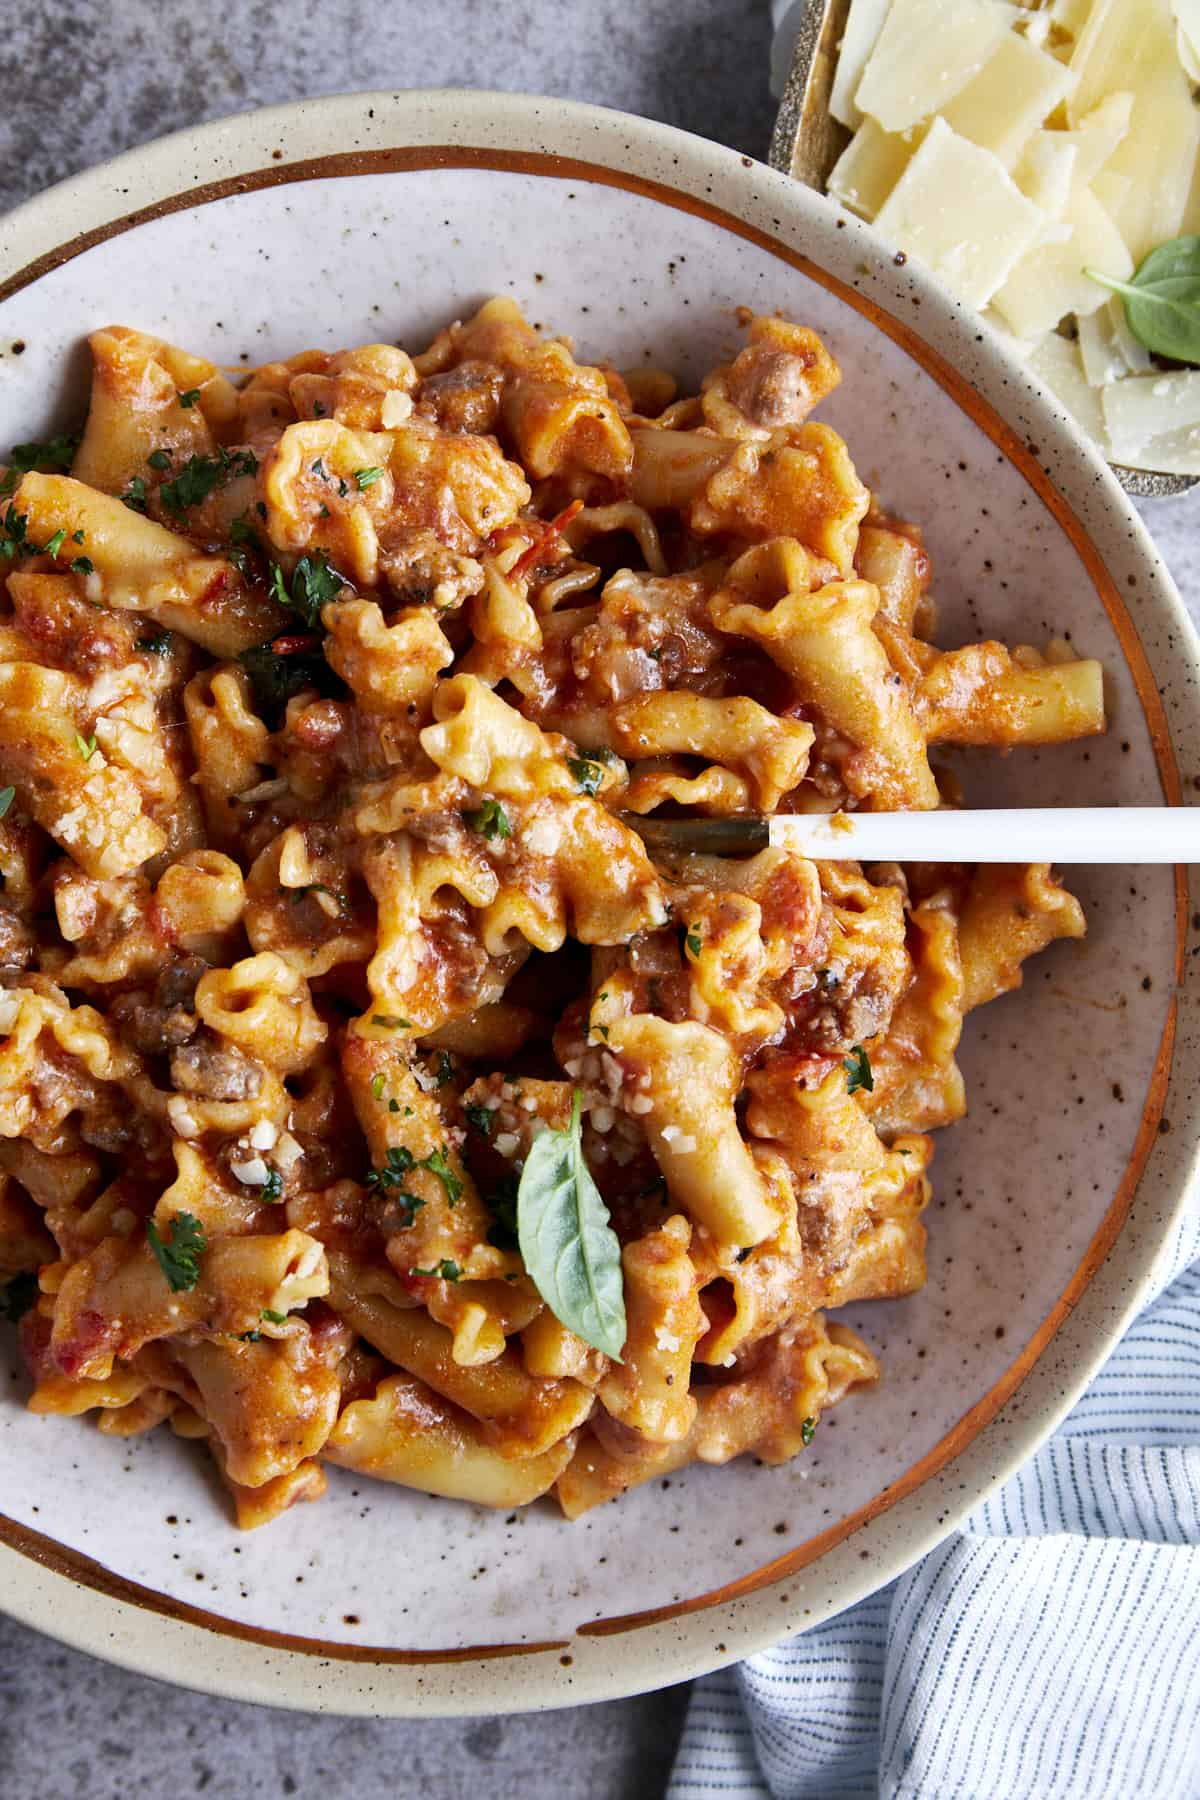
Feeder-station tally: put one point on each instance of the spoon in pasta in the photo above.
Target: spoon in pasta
(1058, 834)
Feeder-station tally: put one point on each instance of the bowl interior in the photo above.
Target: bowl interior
(1056, 1074)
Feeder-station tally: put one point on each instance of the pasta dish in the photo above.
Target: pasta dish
(370, 1095)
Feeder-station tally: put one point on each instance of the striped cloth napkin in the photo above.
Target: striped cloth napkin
(1050, 1650)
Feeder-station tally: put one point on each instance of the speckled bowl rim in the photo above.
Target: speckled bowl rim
(56, 1590)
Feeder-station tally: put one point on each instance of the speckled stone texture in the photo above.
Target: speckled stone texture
(82, 81)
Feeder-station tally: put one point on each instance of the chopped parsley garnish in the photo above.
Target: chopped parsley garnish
(480, 1119)
(179, 1255)
(313, 583)
(808, 1431)
(159, 459)
(490, 820)
(54, 544)
(273, 1185)
(858, 1071)
(134, 496)
(276, 679)
(189, 399)
(7, 796)
(438, 1163)
(14, 539)
(77, 537)
(391, 1022)
(55, 453)
(86, 746)
(399, 1162)
(586, 774)
(249, 1337)
(587, 769)
(445, 1064)
(694, 941)
(273, 1318)
(200, 475)
(367, 478)
(445, 1270)
(157, 644)
(83, 565)
(17, 1296)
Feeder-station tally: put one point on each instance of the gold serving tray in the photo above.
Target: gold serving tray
(807, 142)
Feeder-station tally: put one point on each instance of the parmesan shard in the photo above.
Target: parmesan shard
(864, 22)
(1134, 352)
(1099, 132)
(1050, 281)
(1070, 15)
(870, 166)
(958, 210)
(1017, 88)
(1187, 36)
(1099, 351)
(1047, 170)
(1131, 44)
(926, 53)
(1056, 363)
(1153, 421)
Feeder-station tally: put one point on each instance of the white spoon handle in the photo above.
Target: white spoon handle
(1059, 834)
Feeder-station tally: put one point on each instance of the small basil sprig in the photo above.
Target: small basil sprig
(571, 1252)
(1162, 302)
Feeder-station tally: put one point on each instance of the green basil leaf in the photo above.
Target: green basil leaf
(571, 1252)
(1162, 302)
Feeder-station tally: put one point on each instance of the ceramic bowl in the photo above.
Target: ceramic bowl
(381, 217)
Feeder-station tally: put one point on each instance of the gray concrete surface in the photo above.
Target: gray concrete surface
(83, 79)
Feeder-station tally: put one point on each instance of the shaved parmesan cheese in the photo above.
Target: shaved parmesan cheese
(863, 25)
(1056, 363)
(958, 210)
(1021, 348)
(870, 166)
(1130, 44)
(1112, 191)
(1099, 132)
(926, 53)
(1017, 87)
(1135, 354)
(1046, 171)
(1037, 28)
(1070, 15)
(1157, 157)
(1187, 36)
(1099, 351)
(1124, 44)
(1050, 282)
(1154, 421)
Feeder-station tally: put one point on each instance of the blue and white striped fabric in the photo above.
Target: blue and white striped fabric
(1050, 1650)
